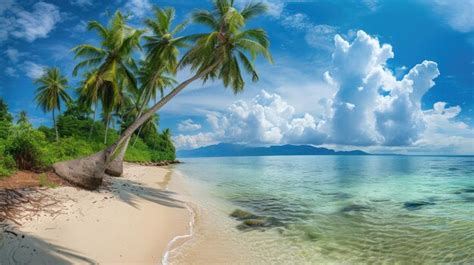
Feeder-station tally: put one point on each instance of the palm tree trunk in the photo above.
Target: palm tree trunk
(55, 127)
(138, 135)
(93, 122)
(106, 129)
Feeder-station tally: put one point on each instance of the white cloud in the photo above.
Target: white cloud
(27, 25)
(362, 116)
(137, 8)
(188, 125)
(194, 141)
(33, 70)
(317, 36)
(266, 119)
(363, 105)
(457, 14)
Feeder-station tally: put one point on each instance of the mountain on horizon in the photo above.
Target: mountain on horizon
(226, 149)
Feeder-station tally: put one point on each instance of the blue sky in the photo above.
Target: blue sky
(318, 91)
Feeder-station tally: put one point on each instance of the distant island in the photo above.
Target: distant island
(226, 149)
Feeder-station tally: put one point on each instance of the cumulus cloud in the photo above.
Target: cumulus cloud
(28, 25)
(362, 114)
(33, 70)
(188, 125)
(194, 141)
(265, 119)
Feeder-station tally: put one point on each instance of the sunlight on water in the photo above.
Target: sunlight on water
(375, 209)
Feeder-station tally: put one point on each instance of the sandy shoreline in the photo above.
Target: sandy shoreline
(131, 220)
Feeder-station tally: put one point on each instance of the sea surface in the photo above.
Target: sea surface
(332, 209)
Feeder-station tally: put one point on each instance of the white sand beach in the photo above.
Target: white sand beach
(129, 221)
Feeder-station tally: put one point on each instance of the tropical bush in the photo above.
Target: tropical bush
(26, 146)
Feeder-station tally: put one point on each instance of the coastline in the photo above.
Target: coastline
(137, 218)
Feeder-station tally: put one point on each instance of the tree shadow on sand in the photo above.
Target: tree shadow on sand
(21, 248)
(130, 191)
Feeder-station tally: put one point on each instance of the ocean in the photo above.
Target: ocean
(331, 209)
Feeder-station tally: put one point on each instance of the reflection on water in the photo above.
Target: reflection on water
(351, 208)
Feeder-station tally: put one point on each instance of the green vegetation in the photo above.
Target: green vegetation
(24, 147)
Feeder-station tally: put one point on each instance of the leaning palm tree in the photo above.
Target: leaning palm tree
(51, 92)
(219, 54)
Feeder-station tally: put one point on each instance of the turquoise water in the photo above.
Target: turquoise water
(368, 209)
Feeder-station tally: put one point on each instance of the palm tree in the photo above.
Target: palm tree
(162, 56)
(51, 92)
(87, 97)
(111, 66)
(22, 118)
(218, 54)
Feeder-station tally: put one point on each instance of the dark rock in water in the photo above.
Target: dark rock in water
(453, 168)
(251, 221)
(242, 215)
(259, 222)
(355, 208)
(416, 205)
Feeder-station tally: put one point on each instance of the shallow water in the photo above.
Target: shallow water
(370, 209)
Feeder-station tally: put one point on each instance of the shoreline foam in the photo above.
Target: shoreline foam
(170, 248)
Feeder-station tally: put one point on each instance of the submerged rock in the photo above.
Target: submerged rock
(259, 222)
(242, 215)
(252, 221)
(355, 208)
(416, 205)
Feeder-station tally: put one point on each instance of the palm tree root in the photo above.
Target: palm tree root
(86, 172)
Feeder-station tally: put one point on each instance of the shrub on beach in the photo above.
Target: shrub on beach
(26, 146)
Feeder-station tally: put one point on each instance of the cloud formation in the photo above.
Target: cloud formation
(33, 70)
(317, 36)
(457, 14)
(362, 115)
(188, 125)
(28, 25)
(266, 119)
(371, 108)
